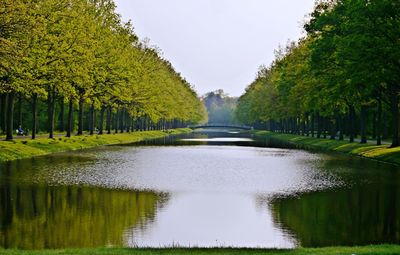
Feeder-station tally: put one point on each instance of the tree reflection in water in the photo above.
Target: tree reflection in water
(366, 212)
(40, 216)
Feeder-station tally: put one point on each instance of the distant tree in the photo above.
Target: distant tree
(220, 107)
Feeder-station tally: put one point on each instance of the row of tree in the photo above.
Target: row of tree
(79, 55)
(342, 79)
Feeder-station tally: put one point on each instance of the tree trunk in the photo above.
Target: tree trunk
(341, 127)
(70, 117)
(146, 124)
(10, 116)
(80, 117)
(363, 124)
(319, 123)
(61, 117)
(91, 120)
(332, 128)
(3, 111)
(307, 124)
(117, 121)
(128, 122)
(293, 126)
(141, 124)
(312, 124)
(394, 101)
(51, 112)
(298, 125)
(34, 115)
(108, 124)
(132, 126)
(374, 126)
(19, 122)
(101, 123)
(113, 118)
(351, 120)
(379, 124)
(122, 120)
(385, 128)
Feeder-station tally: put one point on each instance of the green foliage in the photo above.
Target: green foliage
(220, 107)
(81, 51)
(347, 63)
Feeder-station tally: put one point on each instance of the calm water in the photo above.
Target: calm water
(207, 189)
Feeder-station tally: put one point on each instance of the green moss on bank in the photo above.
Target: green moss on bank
(381, 153)
(370, 250)
(27, 148)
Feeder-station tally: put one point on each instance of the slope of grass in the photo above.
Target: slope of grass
(366, 250)
(26, 148)
(381, 153)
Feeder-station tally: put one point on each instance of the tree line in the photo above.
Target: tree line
(73, 65)
(341, 80)
(220, 107)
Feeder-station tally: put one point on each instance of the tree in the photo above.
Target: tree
(347, 64)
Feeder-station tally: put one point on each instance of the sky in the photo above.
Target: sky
(217, 44)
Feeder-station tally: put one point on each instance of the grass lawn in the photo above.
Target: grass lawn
(26, 148)
(376, 249)
(382, 153)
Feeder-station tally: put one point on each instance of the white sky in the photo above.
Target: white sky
(217, 44)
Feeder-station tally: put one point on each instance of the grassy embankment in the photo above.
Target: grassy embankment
(27, 148)
(377, 249)
(369, 150)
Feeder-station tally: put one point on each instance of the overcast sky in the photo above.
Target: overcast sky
(217, 44)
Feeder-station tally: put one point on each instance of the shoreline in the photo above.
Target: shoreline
(360, 250)
(382, 153)
(28, 148)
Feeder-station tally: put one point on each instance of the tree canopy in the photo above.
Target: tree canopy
(341, 79)
(79, 53)
(220, 107)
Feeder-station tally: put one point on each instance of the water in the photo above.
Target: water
(209, 189)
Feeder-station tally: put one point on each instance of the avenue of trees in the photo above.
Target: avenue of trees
(74, 66)
(341, 80)
(220, 107)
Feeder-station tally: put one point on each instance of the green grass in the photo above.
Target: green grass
(376, 249)
(27, 148)
(381, 153)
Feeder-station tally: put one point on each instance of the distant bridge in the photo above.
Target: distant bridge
(221, 126)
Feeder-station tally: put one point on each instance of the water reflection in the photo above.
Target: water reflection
(367, 212)
(35, 217)
(206, 137)
(233, 190)
(220, 139)
(212, 220)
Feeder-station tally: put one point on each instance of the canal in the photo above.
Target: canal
(211, 188)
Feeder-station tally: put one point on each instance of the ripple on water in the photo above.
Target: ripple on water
(216, 195)
(195, 168)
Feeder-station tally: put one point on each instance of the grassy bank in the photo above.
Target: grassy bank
(369, 150)
(378, 249)
(26, 148)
